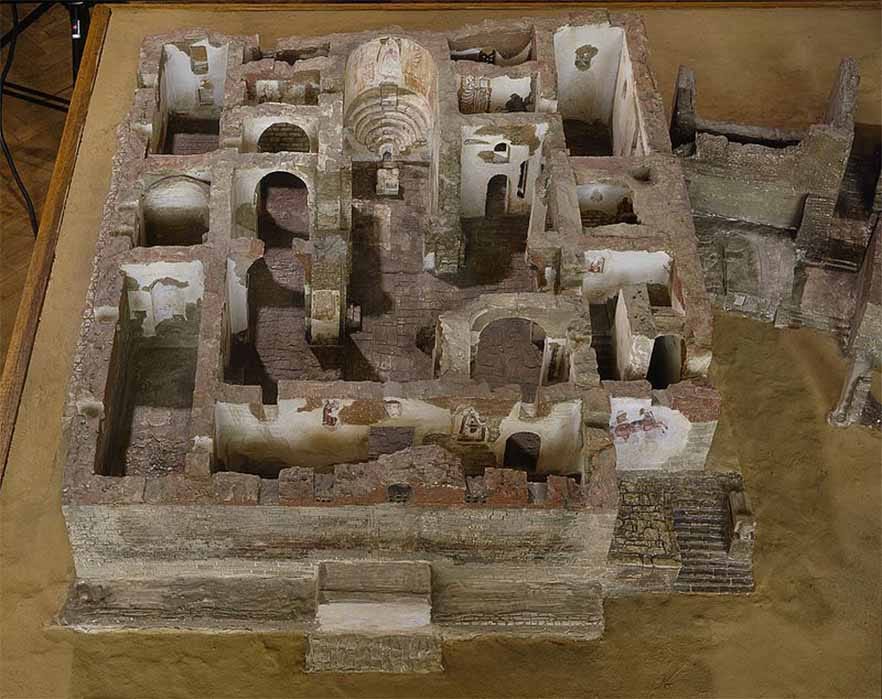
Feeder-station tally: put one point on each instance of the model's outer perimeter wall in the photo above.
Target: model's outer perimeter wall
(774, 75)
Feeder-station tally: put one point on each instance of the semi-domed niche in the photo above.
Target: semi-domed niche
(390, 90)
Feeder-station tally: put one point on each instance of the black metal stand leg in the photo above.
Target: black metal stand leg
(80, 15)
(38, 97)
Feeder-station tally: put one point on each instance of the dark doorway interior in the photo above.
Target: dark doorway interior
(497, 197)
(522, 452)
(665, 362)
(282, 210)
(587, 138)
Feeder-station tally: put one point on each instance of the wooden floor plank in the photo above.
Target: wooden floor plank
(42, 62)
(24, 328)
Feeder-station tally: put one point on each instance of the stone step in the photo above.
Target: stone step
(695, 559)
(699, 510)
(715, 569)
(390, 615)
(510, 601)
(374, 616)
(691, 535)
(713, 574)
(713, 579)
(713, 588)
(699, 525)
(706, 548)
(382, 577)
(684, 512)
(687, 544)
(711, 502)
(415, 651)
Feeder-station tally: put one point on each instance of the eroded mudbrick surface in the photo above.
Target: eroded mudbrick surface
(395, 336)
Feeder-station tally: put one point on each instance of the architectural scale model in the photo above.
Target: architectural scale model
(397, 337)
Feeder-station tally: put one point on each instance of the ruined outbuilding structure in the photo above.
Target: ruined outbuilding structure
(789, 223)
(395, 337)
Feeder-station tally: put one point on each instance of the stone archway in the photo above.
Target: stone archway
(282, 209)
(510, 352)
(496, 203)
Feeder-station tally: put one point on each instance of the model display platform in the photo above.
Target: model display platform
(397, 337)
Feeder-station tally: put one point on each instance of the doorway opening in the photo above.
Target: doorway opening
(497, 197)
(665, 364)
(522, 452)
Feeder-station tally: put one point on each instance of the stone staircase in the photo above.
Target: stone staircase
(702, 527)
(374, 616)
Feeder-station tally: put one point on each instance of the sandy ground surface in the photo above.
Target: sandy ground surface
(812, 628)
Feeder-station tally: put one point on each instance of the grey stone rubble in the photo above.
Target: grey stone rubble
(397, 337)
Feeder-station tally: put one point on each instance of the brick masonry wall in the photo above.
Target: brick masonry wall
(283, 137)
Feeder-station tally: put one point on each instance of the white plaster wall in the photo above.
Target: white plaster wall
(622, 338)
(654, 443)
(162, 290)
(628, 136)
(624, 268)
(476, 172)
(587, 94)
(538, 213)
(633, 352)
(560, 432)
(601, 196)
(503, 87)
(237, 298)
(298, 437)
(179, 85)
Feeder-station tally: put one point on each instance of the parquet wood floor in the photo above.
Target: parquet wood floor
(42, 62)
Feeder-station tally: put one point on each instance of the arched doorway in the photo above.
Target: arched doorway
(497, 197)
(174, 211)
(522, 452)
(283, 137)
(510, 352)
(276, 287)
(282, 209)
(665, 364)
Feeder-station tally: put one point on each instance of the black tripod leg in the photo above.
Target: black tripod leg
(79, 28)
